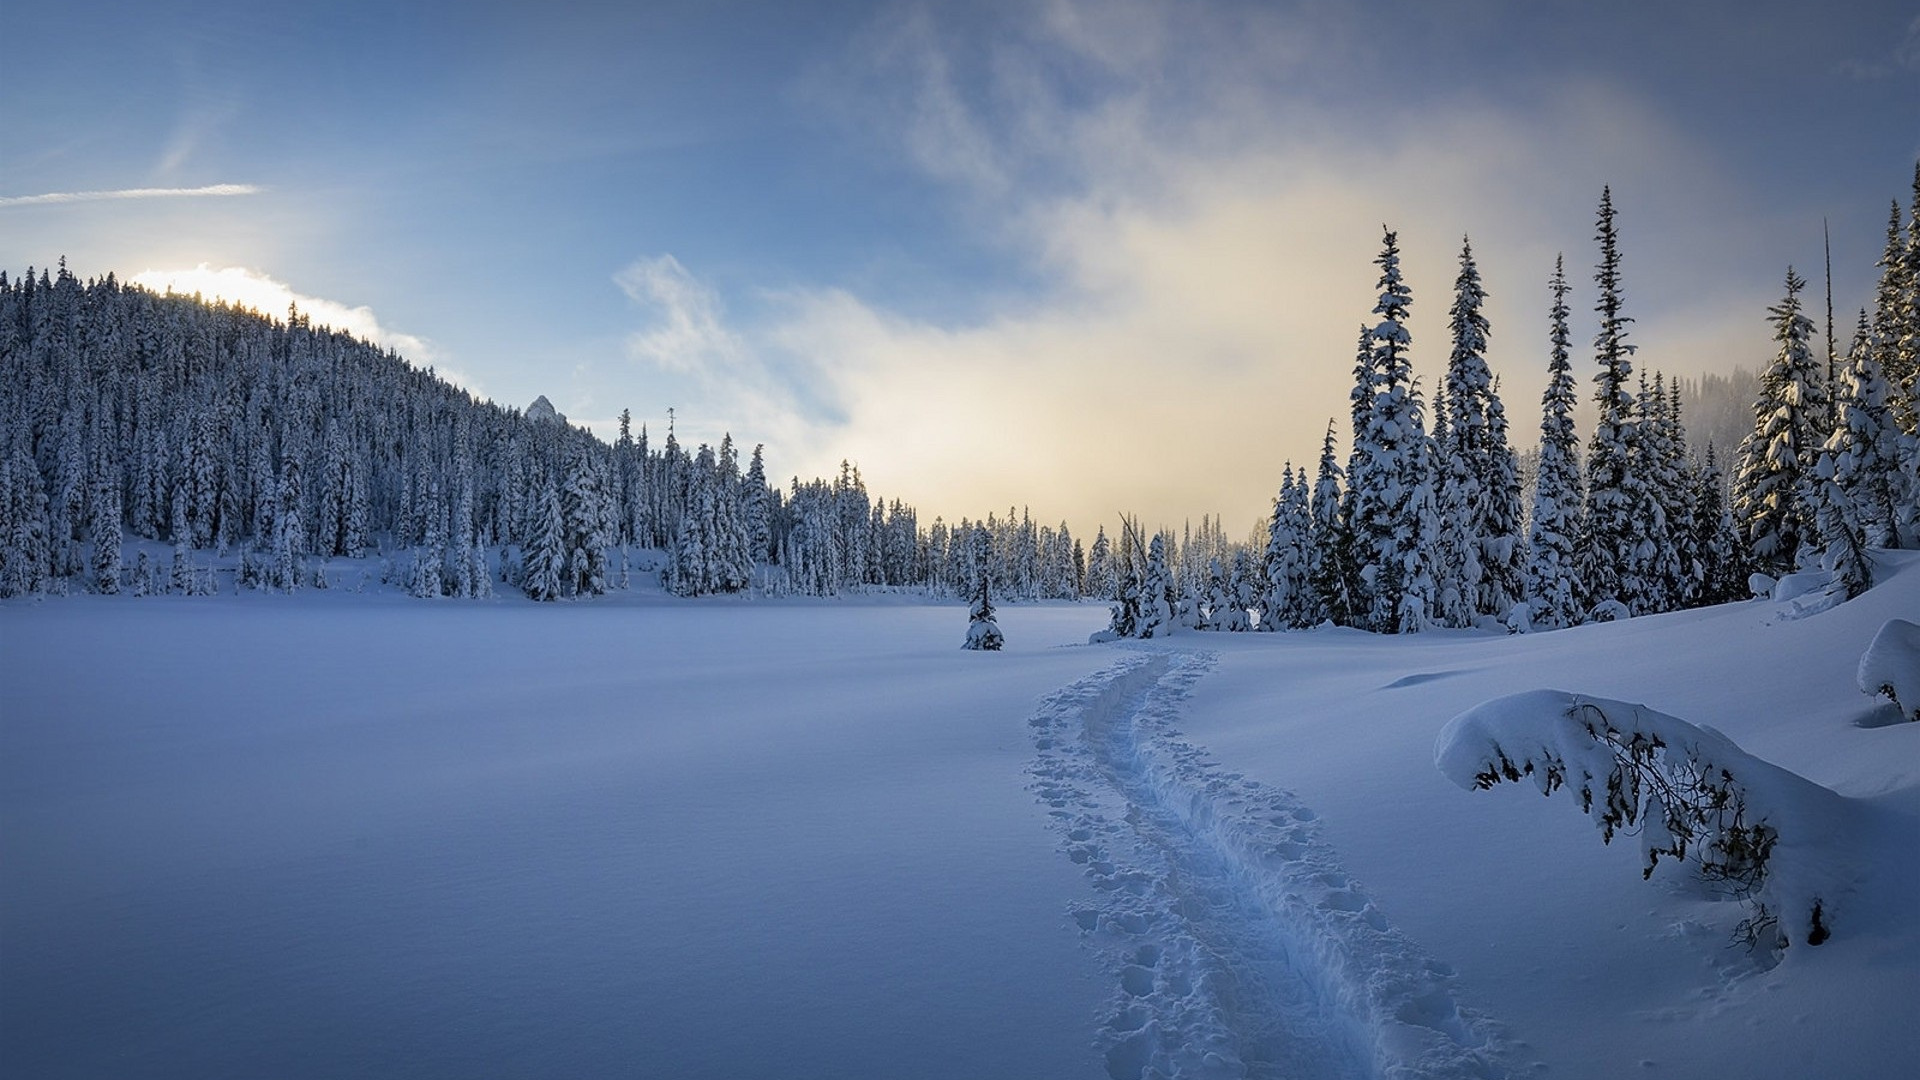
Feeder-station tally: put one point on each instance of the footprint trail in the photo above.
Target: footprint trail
(1241, 947)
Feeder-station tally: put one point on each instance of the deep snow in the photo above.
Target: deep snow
(363, 835)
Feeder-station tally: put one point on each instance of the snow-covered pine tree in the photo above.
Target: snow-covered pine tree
(758, 509)
(1503, 548)
(1865, 445)
(1358, 592)
(1769, 487)
(26, 565)
(1219, 600)
(1677, 501)
(104, 516)
(181, 578)
(1102, 575)
(1129, 586)
(1889, 316)
(1296, 603)
(1463, 454)
(983, 633)
(544, 558)
(1836, 530)
(1906, 346)
(430, 556)
(1394, 520)
(1330, 571)
(1723, 560)
(1553, 589)
(1282, 547)
(1243, 584)
(1158, 595)
(1655, 560)
(1609, 538)
(291, 543)
(1417, 549)
(583, 523)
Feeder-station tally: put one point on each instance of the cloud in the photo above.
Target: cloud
(246, 288)
(724, 374)
(1905, 56)
(689, 334)
(59, 197)
(1200, 230)
(1205, 244)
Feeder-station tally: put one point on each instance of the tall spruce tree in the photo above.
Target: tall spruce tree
(1865, 444)
(1723, 555)
(1770, 486)
(1463, 450)
(1330, 547)
(1553, 589)
(1609, 531)
(1394, 520)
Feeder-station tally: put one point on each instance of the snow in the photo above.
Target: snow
(1688, 791)
(358, 834)
(1891, 666)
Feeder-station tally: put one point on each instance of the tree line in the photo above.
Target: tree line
(1427, 524)
(261, 450)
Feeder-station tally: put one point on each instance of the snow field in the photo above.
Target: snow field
(338, 834)
(324, 837)
(1594, 972)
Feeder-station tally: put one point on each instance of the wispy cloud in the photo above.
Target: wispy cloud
(690, 337)
(57, 197)
(1904, 57)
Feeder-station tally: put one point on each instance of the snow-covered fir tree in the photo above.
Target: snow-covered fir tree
(1394, 518)
(1656, 560)
(983, 633)
(1330, 573)
(543, 562)
(1769, 487)
(1607, 548)
(1552, 586)
(104, 527)
(1723, 560)
(1103, 577)
(1463, 451)
(1159, 595)
(1865, 445)
(1503, 548)
(1291, 600)
(1675, 487)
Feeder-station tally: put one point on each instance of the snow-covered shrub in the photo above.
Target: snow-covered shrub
(1609, 611)
(1891, 666)
(982, 631)
(1753, 831)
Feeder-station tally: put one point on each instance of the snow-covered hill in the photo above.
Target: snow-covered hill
(321, 835)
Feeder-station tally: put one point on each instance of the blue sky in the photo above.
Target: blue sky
(1080, 255)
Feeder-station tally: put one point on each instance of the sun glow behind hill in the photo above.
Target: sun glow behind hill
(242, 287)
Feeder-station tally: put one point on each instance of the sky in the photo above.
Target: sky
(1083, 256)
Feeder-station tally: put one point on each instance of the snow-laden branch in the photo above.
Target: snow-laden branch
(1756, 831)
(1891, 666)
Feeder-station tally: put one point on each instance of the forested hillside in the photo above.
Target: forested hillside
(259, 449)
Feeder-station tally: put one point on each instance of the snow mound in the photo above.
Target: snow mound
(1891, 666)
(1753, 830)
(1808, 592)
(1241, 945)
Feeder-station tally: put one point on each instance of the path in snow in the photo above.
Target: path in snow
(1241, 946)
